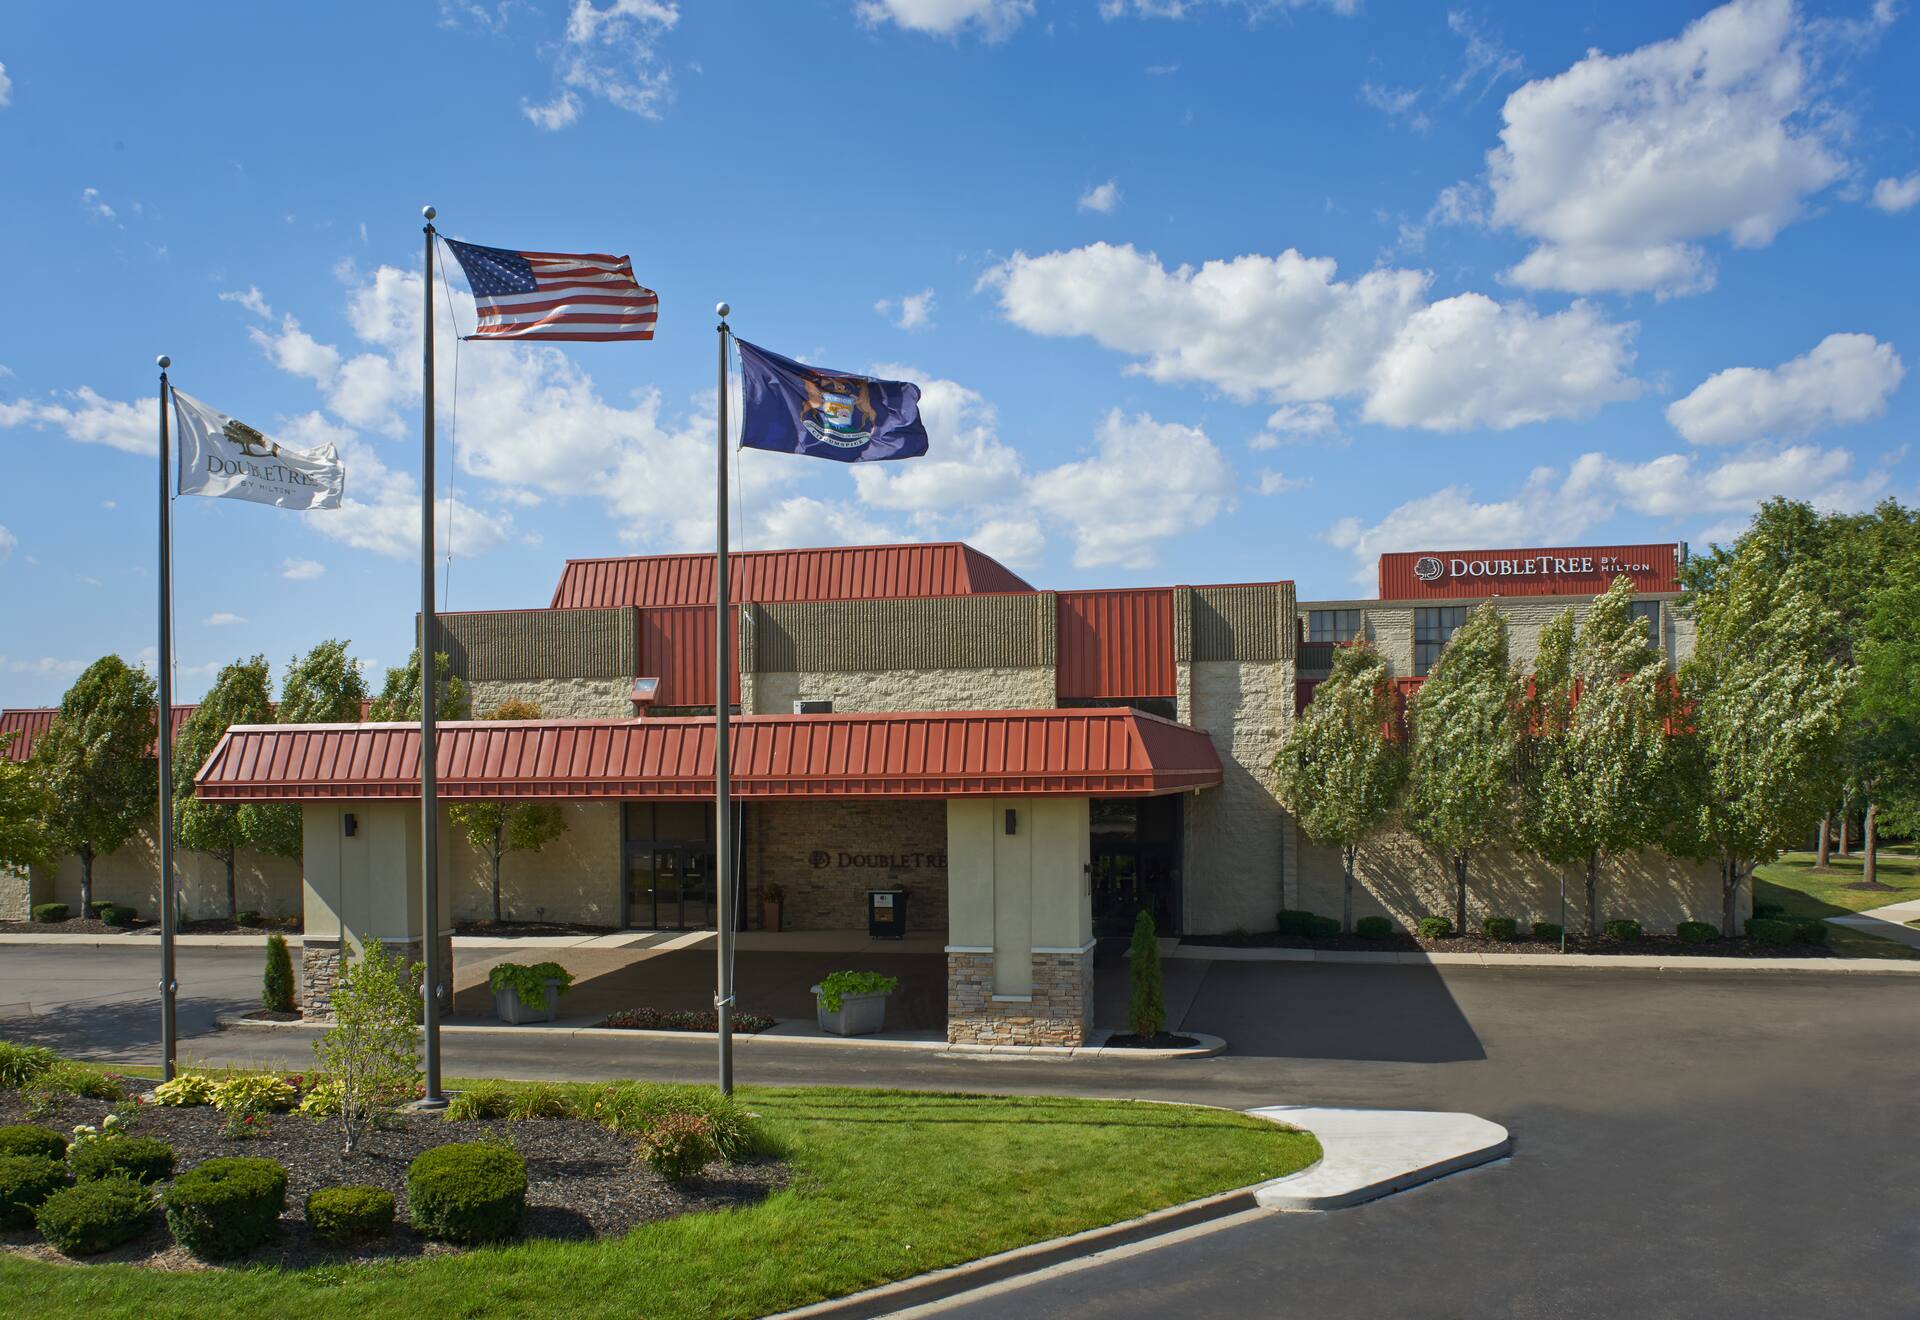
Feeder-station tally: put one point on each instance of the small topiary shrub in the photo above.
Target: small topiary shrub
(49, 912)
(1292, 921)
(1697, 932)
(1548, 930)
(276, 991)
(480, 1101)
(1765, 910)
(26, 1139)
(1770, 930)
(115, 915)
(141, 1159)
(1435, 928)
(91, 1217)
(467, 1192)
(226, 1207)
(246, 917)
(186, 1089)
(1621, 928)
(1810, 932)
(678, 1147)
(340, 1214)
(99, 906)
(1146, 1000)
(633, 1107)
(1374, 928)
(540, 1100)
(26, 1181)
(65, 1077)
(1499, 928)
(20, 1064)
(1323, 928)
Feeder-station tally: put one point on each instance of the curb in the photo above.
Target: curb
(1617, 961)
(1370, 1153)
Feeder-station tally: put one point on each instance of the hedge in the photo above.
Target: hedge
(1323, 928)
(1770, 930)
(1292, 921)
(1374, 928)
(26, 1139)
(1621, 928)
(91, 1217)
(1435, 928)
(467, 1192)
(115, 915)
(1499, 928)
(1697, 932)
(339, 1214)
(49, 912)
(26, 1181)
(142, 1159)
(1548, 930)
(679, 1147)
(226, 1207)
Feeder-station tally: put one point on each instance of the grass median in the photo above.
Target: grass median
(887, 1184)
(1805, 892)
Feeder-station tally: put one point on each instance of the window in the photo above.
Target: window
(1648, 612)
(1432, 630)
(1333, 625)
(1164, 707)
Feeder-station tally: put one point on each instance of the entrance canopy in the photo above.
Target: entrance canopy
(1000, 753)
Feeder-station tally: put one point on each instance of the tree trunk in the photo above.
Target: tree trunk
(233, 889)
(86, 883)
(1593, 893)
(1870, 848)
(1729, 896)
(496, 877)
(1826, 842)
(1460, 894)
(1346, 891)
(1843, 829)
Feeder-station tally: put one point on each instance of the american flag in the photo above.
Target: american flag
(555, 295)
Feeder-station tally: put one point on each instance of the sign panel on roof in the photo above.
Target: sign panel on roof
(1557, 571)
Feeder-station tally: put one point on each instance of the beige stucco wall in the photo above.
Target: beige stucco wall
(575, 879)
(131, 876)
(1013, 895)
(367, 886)
(1389, 625)
(559, 698)
(906, 689)
(1398, 878)
(1237, 834)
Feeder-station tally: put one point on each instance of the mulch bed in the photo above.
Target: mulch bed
(77, 926)
(531, 928)
(1159, 1040)
(1664, 946)
(221, 926)
(693, 1019)
(583, 1180)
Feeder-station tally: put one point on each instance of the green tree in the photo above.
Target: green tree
(399, 699)
(1886, 705)
(276, 984)
(1146, 1001)
(239, 695)
(1341, 769)
(371, 1054)
(494, 829)
(24, 808)
(1766, 698)
(1596, 762)
(1463, 729)
(96, 764)
(324, 686)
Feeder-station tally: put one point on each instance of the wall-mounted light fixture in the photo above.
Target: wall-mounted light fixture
(352, 823)
(1013, 821)
(644, 691)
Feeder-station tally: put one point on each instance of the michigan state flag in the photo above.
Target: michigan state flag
(797, 409)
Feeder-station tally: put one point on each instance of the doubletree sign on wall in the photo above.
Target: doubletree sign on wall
(1584, 570)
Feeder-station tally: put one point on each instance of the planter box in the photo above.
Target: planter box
(511, 1009)
(859, 1015)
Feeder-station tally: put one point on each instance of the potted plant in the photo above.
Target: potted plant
(528, 992)
(771, 897)
(853, 1003)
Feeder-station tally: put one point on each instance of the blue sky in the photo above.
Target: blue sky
(1197, 290)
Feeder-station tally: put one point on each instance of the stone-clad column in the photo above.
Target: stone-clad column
(361, 882)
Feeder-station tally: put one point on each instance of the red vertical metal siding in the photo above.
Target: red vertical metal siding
(1116, 643)
(676, 647)
(1397, 580)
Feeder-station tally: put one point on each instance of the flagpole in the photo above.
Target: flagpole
(429, 743)
(722, 692)
(168, 984)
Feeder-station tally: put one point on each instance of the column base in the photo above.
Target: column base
(1059, 1011)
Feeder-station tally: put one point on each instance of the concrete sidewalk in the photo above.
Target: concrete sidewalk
(1618, 962)
(1889, 922)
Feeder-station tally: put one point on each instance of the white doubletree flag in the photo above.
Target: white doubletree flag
(220, 456)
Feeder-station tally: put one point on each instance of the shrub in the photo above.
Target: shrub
(1810, 932)
(479, 1101)
(49, 912)
(467, 1192)
(684, 1019)
(91, 1217)
(1548, 930)
(140, 1159)
(254, 1093)
(540, 1100)
(99, 906)
(1697, 932)
(25, 1182)
(26, 1139)
(342, 1213)
(678, 1147)
(77, 1079)
(1765, 910)
(1323, 928)
(1499, 928)
(1770, 930)
(226, 1207)
(276, 992)
(1146, 1000)
(1621, 928)
(1291, 921)
(529, 981)
(20, 1064)
(1374, 928)
(186, 1089)
(115, 915)
(248, 917)
(633, 1107)
(322, 1099)
(836, 984)
(1435, 928)
(371, 1054)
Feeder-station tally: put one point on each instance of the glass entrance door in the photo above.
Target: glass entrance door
(670, 886)
(1136, 863)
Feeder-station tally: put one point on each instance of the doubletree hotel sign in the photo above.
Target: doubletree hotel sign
(1565, 571)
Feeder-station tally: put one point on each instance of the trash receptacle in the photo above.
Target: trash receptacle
(887, 914)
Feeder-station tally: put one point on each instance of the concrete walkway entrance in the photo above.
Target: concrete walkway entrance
(1889, 922)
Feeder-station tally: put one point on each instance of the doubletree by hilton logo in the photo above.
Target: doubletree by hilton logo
(1429, 569)
(252, 444)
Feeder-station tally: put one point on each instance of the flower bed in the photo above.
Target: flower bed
(670, 1019)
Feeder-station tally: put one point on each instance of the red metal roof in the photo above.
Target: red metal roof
(1116, 643)
(849, 572)
(30, 722)
(1105, 753)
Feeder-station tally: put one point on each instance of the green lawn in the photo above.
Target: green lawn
(1796, 886)
(887, 1184)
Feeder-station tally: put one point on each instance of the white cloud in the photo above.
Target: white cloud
(6, 87)
(1485, 61)
(915, 310)
(301, 570)
(293, 349)
(1016, 542)
(608, 52)
(1618, 166)
(1102, 198)
(1287, 329)
(95, 205)
(802, 520)
(994, 19)
(553, 115)
(89, 419)
(1272, 481)
(1099, 498)
(44, 667)
(1254, 9)
(1397, 103)
(1896, 195)
(1297, 422)
(252, 300)
(1845, 378)
(7, 542)
(221, 619)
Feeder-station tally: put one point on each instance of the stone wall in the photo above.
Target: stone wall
(1058, 1012)
(16, 893)
(559, 698)
(320, 966)
(574, 879)
(1396, 877)
(1236, 835)
(906, 689)
(825, 856)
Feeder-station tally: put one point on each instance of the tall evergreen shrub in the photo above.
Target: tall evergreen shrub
(1147, 1008)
